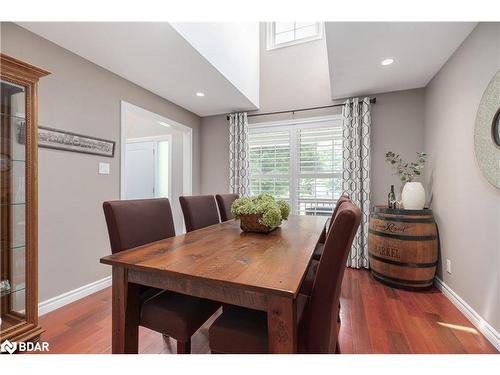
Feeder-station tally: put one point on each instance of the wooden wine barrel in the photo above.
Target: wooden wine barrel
(403, 247)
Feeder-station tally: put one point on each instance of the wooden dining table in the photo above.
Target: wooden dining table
(221, 263)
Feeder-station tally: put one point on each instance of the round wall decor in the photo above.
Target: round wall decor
(487, 132)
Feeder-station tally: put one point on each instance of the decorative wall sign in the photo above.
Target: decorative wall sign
(66, 141)
(487, 132)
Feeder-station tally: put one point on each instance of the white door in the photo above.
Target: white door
(140, 168)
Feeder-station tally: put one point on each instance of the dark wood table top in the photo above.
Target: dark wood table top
(272, 263)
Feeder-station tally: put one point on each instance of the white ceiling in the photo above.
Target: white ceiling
(221, 44)
(419, 50)
(152, 55)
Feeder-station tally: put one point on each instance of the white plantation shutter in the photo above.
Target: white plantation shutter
(270, 164)
(301, 163)
(319, 173)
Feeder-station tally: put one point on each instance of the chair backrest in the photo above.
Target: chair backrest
(224, 201)
(199, 211)
(133, 223)
(343, 198)
(319, 330)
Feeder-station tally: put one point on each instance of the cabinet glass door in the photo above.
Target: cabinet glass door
(12, 204)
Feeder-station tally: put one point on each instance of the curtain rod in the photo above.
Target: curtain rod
(372, 101)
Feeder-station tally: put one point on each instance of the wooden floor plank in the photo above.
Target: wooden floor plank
(375, 319)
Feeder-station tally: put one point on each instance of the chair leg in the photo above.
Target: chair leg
(166, 339)
(337, 343)
(184, 347)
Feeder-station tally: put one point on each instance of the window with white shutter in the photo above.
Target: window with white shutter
(270, 163)
(300, 162)
(319, 169)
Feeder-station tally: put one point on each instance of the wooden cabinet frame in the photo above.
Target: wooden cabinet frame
(20, 73)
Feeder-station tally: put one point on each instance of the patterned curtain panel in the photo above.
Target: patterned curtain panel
(356, 174)
(238, 154)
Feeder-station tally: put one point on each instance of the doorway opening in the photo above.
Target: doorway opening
(156, 158)
(148, 169)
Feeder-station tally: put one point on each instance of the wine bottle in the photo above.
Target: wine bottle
(391, 198)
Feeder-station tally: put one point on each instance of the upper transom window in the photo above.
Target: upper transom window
(282, 34)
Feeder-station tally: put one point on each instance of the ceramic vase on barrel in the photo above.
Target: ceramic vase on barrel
(413, 196)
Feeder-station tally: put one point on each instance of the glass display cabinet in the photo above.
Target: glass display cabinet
(18, 200)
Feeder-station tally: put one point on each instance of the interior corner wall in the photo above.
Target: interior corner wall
(466, 206)
(84, 98)
(214, 155)
(397, 125)
(304, 82)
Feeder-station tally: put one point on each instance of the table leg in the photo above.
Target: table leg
(125, 313)
(282, 325)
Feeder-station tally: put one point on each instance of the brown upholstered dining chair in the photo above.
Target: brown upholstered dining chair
(133, 223)
(319, 247)
(224, 201)
(318, 250)
(199, 211)
(240, 330)
(308, 281)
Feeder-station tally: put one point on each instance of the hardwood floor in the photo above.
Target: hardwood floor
(375, 319)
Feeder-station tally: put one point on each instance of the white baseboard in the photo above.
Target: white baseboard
(73, 295)
(482, 325)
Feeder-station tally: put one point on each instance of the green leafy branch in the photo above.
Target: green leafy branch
(407, 171)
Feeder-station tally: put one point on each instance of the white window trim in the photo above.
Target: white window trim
(287, 125)
(187, 145)
(270, 40)
(277, 125)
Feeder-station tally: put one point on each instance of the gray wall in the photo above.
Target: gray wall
(397, 124)
(467, 207)
(214, 142)
(81, 97)
(293, 77)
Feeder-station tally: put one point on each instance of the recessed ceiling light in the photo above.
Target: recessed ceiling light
(200, 94)
(387, 62)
